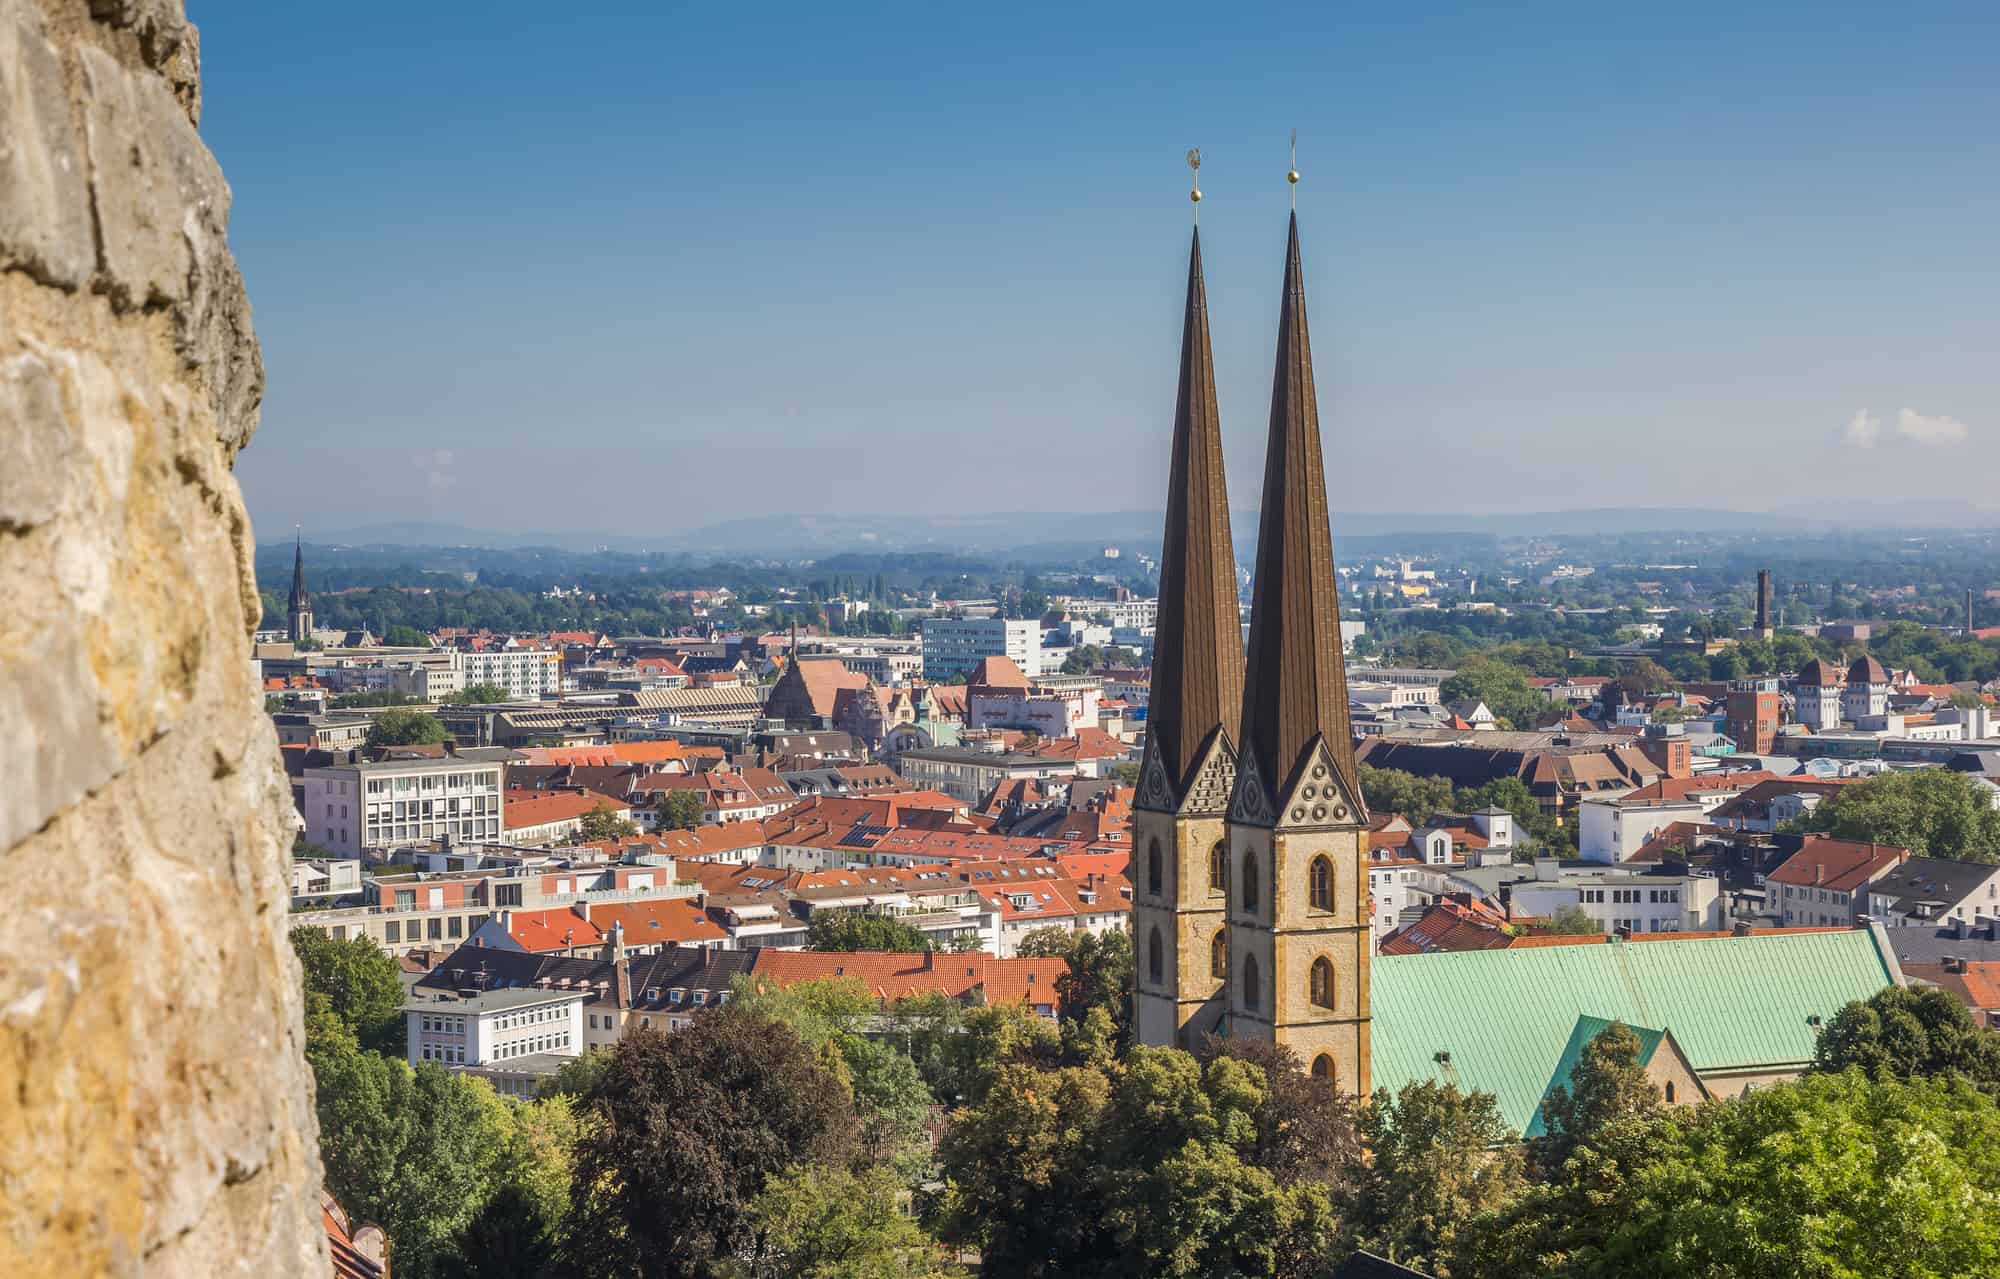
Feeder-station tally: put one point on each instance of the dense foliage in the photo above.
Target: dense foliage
(1933, 812)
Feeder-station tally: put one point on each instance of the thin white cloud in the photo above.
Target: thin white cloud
(1931, 432)
(1863, 429)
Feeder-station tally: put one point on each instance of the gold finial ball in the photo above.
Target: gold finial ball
(1293, 177)
(1195, 195)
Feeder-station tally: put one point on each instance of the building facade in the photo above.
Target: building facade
(953, 646)
(369, 805)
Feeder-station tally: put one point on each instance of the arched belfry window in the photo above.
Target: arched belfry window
(1249, 881)
(1218, 955)
(1153, 876)
(1322, 1067)
(1218, 867)
(1253, 994)
(1156, 955)
(1321, 982)
(1321, 874)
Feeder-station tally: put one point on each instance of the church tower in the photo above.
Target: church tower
(1179, 851)
(299, 616)
(1297, 830)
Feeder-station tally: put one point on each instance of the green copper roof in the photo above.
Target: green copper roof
(1505, 1017)
(1587, 1029)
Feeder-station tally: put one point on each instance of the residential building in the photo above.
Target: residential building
(1751, 719)
(528, 674)
(969, 774)
(368, 805)
(512, 1037)
(1612, 830)
(1827, 882)
(533, 817)
(1816, 695)
(1626, 903)
(1933, 890)
(952, 647)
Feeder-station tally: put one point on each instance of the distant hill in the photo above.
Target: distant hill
(1003, 532)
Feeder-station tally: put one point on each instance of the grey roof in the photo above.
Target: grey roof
(1932, 879)
(428, 998)
(1926, 944)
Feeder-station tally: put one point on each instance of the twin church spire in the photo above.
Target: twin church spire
(1292, 698)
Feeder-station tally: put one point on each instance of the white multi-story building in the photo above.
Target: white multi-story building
(355, 807)
(512, 1035)
(1611, 830)
(529, 674)
(954, 646)
(1639, 903)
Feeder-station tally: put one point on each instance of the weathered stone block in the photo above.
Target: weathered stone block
(44, 212)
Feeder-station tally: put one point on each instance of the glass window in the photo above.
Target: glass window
(1218, 868)
(1249, 881)
(1153, 876)
(1322, 982)
(1218, 955)
(1322, 883)
(1156, 956)
(1252, 993)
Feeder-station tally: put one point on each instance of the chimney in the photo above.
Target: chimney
(1819, 873)
(930, 961)
(1741, 928)
(581, 908)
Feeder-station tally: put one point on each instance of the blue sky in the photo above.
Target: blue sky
(641, 270)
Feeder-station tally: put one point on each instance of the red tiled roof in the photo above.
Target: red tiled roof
(524, 808)
(540, 931)
(677, 920)
(1839, 864)
(891, 976)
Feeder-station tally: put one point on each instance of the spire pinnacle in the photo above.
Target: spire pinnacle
(1295, 686)
(1198, 645)
(1292, 176)
(1194, 192)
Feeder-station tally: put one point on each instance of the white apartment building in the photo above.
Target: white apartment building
(1611, 830)
(1050, 711)
(954, 646)
(512, 1035)
(366, 805)
(1640, 903)
(528, 674)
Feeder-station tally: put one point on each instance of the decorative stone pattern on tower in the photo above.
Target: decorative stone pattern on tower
(156, 1113)
(1297, 831)
(1189, 768)
(299, 614)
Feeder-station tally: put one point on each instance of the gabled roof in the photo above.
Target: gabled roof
(997, 671)
(1499, 1021)
(524, 808)
(1842, 865)
(889, 975)
(1587, 1029)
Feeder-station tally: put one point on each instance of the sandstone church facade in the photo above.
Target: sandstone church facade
(1250, 870)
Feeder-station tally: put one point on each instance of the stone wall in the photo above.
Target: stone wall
(155, 1114)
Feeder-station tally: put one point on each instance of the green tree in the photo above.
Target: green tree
(507, 1239)
(1606, 1085)
(400, 636)
(1910, 1032)
(691, 1128)
(681, 810)
(830, 1223)
(405, 728)
(481, 695)
(1100, 976)
(1050, 941)
(1503, 686)
(577, 1076)
(361, 982)
(1391, 790)
(602, 822)
(1141, 1167)
(1571, 921)
(960, 1051)
(1933, 812)
(1083, 659)
(849, 930)
(1125, 773)
(1830, 1175)
(446, 1171)
(1441, 1158)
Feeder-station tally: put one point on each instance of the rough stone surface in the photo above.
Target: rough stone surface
(155, 1112)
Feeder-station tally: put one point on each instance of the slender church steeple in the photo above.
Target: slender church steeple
(298, 615)
(1198, 640)
(1295, 692)
(1299, 908)
(1180, 857)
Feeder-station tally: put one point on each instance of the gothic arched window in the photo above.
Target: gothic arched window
(1322, 1067)
(1249, 881)
(1218, 867)
(1322, 982)
(1322, 883)
(1153, 876)
(1218, 955)
(1251, 994)
(1156, 955)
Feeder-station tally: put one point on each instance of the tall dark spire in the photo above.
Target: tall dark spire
(300, 600)
(1295, 687)
(1198, 645)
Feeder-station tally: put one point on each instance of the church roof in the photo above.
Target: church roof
(1295, 687)
(1198, 640)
